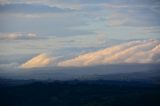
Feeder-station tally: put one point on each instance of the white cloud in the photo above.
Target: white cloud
(17, 35)
(40, 60)
(141, 51)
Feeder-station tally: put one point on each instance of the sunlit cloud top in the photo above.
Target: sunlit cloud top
(134, 52)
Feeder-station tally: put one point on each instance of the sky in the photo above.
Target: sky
(120, 19)
(40, 33)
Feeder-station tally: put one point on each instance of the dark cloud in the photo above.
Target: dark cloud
(83, 73)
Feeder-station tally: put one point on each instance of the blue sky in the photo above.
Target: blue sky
(118, 19)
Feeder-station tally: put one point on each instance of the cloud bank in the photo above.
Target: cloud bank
(141, 51)
(38, 61)
(133, 52)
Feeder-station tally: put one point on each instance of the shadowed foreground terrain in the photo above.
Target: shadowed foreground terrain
(81, 93)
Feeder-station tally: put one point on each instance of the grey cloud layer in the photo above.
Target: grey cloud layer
(31, 8)
(17, 36)
(76, 17)
(110, 72)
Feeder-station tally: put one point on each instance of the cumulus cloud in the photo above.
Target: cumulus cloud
(140, 51)
(17, 35)
(40, 60)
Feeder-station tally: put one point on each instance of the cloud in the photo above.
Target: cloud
(31, 8)
(40, 60)
(84, 73)
(141, 51)
(17, 35)
(51, 3)
(9, 65)
(117, 19)
(150, 30)
(133, 52)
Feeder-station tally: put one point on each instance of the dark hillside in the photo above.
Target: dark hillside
(81, 93)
